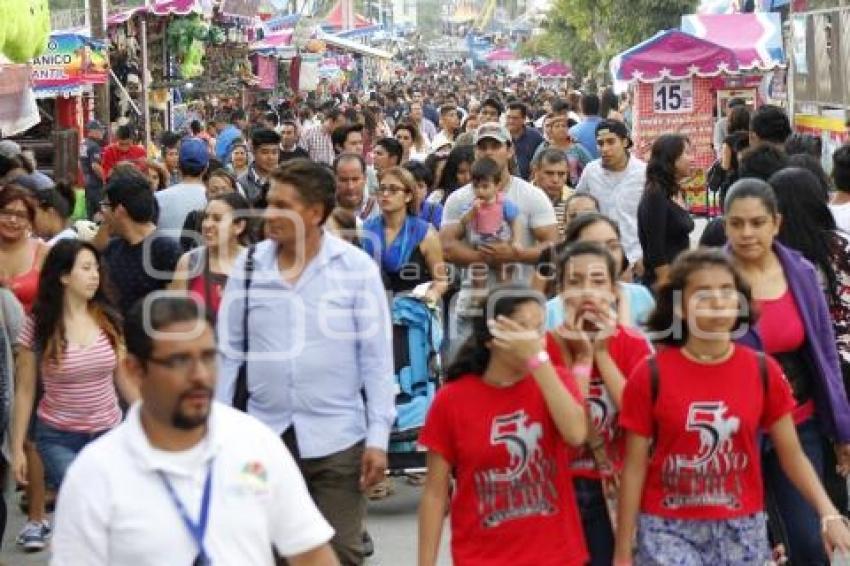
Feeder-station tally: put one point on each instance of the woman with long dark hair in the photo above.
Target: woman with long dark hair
(795, 327)
(204, 270)
(456, 173)
(695, 416)
(633, 301)
(808, 226)
(664, 223)
(72, 343)
(588, 291)
(502, 427)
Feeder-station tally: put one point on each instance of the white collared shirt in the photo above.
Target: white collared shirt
(113, 508)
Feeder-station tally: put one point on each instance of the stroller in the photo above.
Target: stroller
(417, 338)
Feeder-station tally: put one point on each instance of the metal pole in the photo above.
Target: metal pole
(97, 18)
(146, 111)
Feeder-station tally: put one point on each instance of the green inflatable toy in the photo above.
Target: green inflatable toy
(24, 29)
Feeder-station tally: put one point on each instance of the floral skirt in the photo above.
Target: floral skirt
(680, 542)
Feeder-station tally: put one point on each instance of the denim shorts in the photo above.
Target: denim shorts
(58, 448)
(679, 542)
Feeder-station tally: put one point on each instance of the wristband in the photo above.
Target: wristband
(582, 370)
(826, 519)
(537, 360)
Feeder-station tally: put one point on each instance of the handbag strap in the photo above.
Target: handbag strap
(249, 274)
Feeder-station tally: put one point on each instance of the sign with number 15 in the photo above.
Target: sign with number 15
(673, 97)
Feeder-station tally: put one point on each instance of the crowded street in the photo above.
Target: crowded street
(424, 283)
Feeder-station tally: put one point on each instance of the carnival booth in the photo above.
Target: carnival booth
(172, 52)
(672, 76)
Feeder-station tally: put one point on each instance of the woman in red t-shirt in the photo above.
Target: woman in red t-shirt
(502, 427)
(698, 496)
(595, 345)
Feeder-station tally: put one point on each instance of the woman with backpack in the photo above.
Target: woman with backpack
(692, 485)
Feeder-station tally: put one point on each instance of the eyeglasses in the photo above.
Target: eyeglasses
(390, 190)
(184, 363)
(16, 214)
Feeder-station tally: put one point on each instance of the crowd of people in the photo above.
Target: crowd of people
(206, 369)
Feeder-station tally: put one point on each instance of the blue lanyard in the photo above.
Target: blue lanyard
(199, 529)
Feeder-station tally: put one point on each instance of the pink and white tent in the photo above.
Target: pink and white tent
(755, 38)
(674, 55)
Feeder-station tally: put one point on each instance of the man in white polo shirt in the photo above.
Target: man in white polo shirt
(184, 480)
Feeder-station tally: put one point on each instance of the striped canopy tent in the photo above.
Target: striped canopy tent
(158, 8)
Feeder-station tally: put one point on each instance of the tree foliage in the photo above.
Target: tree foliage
(587, 33)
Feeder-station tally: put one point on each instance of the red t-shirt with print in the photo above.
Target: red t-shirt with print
(706, 420)
(514, 502)
(627, 347)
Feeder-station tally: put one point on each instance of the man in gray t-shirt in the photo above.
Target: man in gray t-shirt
(537, 220)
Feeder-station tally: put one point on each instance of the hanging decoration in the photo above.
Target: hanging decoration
(24, 29)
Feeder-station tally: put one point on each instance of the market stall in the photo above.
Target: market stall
(672, 80)
(178, 60)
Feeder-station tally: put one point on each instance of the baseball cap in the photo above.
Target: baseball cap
(9, 149)
(613, 127)
(92, 125)
(194, 152)
(494, 132)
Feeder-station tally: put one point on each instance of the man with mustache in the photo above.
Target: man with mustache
(184, 480)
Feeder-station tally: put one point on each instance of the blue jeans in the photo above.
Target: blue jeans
(786, 506)
(595, 521)
(58, 448)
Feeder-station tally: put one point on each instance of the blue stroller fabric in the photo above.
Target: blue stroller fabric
(416, 384)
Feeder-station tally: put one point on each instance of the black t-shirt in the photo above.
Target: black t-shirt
(135, 272)
(298, 152)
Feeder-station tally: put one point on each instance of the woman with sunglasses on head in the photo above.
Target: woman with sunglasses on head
(587, 289)
(502, 428)
(71, 344)
(795, 327)
(695, 415)
(406, 247)
(634, 302)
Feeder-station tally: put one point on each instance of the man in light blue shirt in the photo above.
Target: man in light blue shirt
(320, 362)
(177, 201)
(585, 132)
(229, 134)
